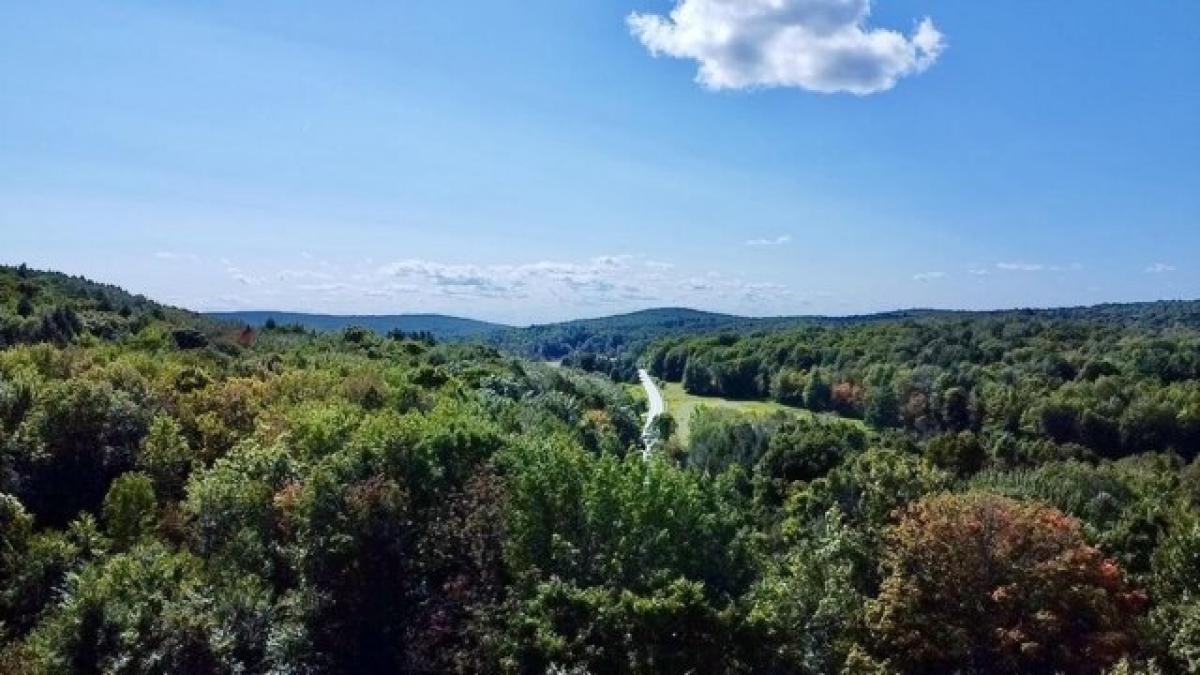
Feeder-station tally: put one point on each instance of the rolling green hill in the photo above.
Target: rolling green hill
(42, 306)
(613, 344)
(439, 325)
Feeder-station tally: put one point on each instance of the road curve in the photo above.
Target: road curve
(657, 407)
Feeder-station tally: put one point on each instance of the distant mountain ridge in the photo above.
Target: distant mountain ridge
(631, 331)
(46, 306)
(441, 326)
(613, 345)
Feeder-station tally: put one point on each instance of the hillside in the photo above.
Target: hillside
(172, 500)
(167, 507)
(613, 345)
(1099, 378)
(46, 306)
(440, 326)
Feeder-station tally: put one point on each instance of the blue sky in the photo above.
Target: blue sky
(544, 160)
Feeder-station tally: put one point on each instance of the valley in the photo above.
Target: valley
(456, 493)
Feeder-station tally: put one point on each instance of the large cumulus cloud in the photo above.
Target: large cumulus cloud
(819, 45)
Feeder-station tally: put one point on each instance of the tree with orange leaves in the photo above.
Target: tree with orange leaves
(986, 584)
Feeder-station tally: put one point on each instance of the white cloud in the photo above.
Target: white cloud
(928, 276)
(300, 275)
(1037, 267)
(326, 288)
(1160, 267)
(545, 288)
(978, 272)
(602, 279)
(452, 279)
(600, 276)
(761, 290)
(1020, 267)
(173, 256)
(238, 275)
(819, 45)
(776, 241)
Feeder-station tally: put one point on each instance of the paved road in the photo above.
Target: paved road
(657, 407)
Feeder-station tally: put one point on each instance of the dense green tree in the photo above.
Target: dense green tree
(787, 387)
(129, 508)
(697, 379)
(721, 438)
(1059, 421)
(1148, 426)
(960, 453)
(1176, 583)
(867, 490)
(818, 395)
(1100, 433)
(152, 611)
(804, 450)
(165, 456)
(611, 550)
(956, 409)
(664, 427)
(883, 407)
(79, 435)
(805, 610)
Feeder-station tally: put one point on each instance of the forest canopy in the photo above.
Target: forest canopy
(1012, 493)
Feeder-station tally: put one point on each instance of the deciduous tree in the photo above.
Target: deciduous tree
(980, 583)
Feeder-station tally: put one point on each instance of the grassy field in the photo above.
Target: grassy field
(680, 405)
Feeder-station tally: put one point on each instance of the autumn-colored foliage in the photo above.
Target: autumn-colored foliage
(848, 398)
(984, 583)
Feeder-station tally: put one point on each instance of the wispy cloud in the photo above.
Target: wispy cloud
(928, 276)
(761, 290)
(302, 274)
(457, 279)
(173, 256)
(818, 45)
(325, 288)
(1020, 267)
(599, 280)
(238, 275)
(772, 241)
(544, 288)
(1160, 268)
(1037, 267)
